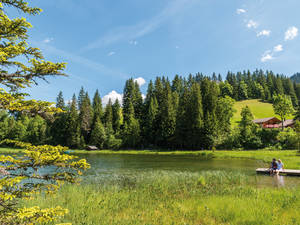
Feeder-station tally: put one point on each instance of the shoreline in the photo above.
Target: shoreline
(291, 158)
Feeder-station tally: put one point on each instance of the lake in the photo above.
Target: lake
(106, 165)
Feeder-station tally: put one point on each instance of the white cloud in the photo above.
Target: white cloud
(133, 42)
(240, 11)
(111, 53)
(143, 96)
(177, 47)
(278, 48)
(252, 24)
(113, 96)
(291, 33)
(48, 40)
(141, 81)
(263, 33)
(266, 56)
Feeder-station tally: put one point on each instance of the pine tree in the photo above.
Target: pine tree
(73, 128)
(210, 92)
(86, 118)
(108, 115)
(60, 102)
(98, 136)
(131, 132)
(226, 89)
(247, 130)
(168, 117)
(137, 102)
(243, 90)
(289, 90)
(150, 118)
(214, 77)
(177, 84)
(128, 99)
(117, 117)
(195, 116)
(158, 91)
(182, 126)
(219, 78)
(81, 97)
(97, 107)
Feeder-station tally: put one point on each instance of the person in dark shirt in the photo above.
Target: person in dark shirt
(273, 166)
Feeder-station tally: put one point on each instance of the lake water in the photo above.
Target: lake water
(103, 165)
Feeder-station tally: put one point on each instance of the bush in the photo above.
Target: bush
(288, 139)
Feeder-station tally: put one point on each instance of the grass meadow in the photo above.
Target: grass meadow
(258, 108)
(172, 197)
(175, 198)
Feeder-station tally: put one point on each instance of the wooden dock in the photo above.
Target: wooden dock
(283, 172)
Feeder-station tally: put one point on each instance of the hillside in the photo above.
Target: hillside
(295, 78)
(258, 108)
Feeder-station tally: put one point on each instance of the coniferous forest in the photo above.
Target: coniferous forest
(191, 112)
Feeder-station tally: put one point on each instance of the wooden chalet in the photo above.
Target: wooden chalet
(267, 122)
(273, 122)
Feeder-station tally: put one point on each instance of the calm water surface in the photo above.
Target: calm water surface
(103, 165)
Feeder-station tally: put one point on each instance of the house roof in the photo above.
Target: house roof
(91, 147)
(263, 120)
(279, 125)
(288, 123)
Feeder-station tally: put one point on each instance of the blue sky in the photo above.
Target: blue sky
(106, 42)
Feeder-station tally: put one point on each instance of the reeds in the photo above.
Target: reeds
(170, 197)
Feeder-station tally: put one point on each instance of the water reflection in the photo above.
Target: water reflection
(278, 180)
(110, 165)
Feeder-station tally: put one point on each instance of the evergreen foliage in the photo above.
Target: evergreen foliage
(41, 168)
(184, 113)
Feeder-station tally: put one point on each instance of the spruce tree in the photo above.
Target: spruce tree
(128, 98)
(97, 107)
(182, 126)
(150, 119)
(98, 136)
(131, 132)
(177, 84)
(73, 128)
(168, 117)
(117, 117)
(60, 102)
(195, 116)
(81, 97)
(247, 130)
(86, 118)
(137, 102)
(108, 115)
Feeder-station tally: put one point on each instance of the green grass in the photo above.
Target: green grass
(10, 150)
(175, 198)
(258, 108)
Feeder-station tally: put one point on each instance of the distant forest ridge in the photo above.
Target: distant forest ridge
(193, 112)
(295, 78)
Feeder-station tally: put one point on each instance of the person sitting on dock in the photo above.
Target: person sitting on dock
(279, 166)
(273, 166)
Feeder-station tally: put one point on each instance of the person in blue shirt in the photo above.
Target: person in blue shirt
(280, 166)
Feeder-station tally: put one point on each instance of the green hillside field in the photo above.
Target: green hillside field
(258, 108)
